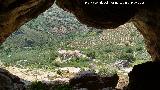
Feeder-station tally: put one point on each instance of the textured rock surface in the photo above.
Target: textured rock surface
(9, 81)
(93, 81)
(144, 77)
(99, 16)
(148, 23)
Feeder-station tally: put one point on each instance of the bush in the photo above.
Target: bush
(108, 49)
(127, 56)
(129, 50)
(91, 54)
(57, 64)
(37, 85)
(54, 55)
(77, 62)
(139, 48)
(105, 71)
(62, 87)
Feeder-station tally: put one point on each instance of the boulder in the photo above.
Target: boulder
(144, 76)
(121, 64)
(93, 81)
(9, 81)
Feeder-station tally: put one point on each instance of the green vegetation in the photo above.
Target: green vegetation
(38, 85)
(36, 43)
(62, 87)
(77, 62)
(106, 72)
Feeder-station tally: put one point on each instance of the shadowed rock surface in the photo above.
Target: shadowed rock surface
(93, 81)
(144, 77)
(98, 15)
(9, 81)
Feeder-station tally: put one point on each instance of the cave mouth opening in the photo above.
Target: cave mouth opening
(37, 45)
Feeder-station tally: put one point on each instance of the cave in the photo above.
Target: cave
(14, 13)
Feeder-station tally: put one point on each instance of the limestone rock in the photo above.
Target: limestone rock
(70, 69)
(99, 16)
(121, 64)
(93, 81)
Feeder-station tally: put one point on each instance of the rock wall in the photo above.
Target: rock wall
(13, 14)
(148, 23)
(96, 15)
(9, 81)
(144, 77)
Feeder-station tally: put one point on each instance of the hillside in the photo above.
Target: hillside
(37, 45)
(55, 28)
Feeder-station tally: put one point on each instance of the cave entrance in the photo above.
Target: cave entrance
(56, 41)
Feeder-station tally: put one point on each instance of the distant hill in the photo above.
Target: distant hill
(50, 27)
(35, 44)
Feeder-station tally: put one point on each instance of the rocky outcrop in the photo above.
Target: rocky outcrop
(148, 23)
(9, 81)
(96, 15)
(120, 64)
(144, 77)
(93, 81)
(69, 54)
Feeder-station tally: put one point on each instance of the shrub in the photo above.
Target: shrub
(127, 56)
(54, 55)
(105, 71)
(57, 64)
(129, 50)
(37, 85)
(108, 49)
(77, 62)
(62, 87)
(139, 48)
(59, 72)
(92, 54)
